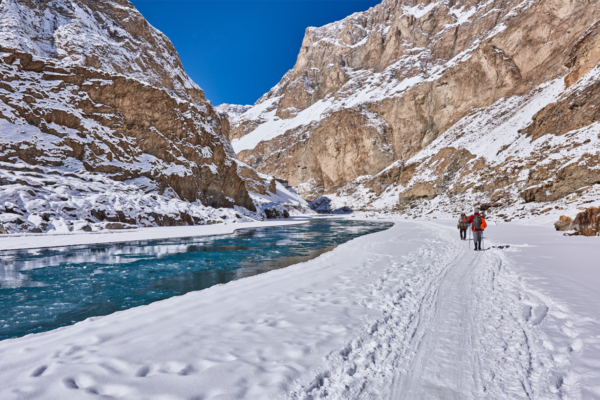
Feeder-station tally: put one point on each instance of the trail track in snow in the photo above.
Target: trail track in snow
(462, 326)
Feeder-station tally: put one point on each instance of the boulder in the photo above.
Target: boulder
(322, 205)
(272, 213)
(119, 225)
(587, 223)
(342, 210)
(564, 223)
(487, 206)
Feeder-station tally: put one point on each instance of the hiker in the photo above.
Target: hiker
(478, 224)
(463, 224)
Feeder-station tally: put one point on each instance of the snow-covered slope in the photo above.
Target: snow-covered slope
(100, 127)
(67, 198)
(111, 36)
(95, 129)
(415, 99)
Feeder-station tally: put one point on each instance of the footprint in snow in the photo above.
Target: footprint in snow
(142, 372)
(39, 371)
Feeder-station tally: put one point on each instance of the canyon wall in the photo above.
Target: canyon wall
(100, 125)
(413, 99)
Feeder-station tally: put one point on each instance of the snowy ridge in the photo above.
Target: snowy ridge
(110, 36)
(233, 111)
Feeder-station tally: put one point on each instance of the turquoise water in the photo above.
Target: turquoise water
(44, 289)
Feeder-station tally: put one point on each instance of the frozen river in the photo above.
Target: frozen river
(43, 289)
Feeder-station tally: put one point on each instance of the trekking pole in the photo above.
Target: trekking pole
(469, 239)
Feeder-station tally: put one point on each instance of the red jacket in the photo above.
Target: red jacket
(483, 223)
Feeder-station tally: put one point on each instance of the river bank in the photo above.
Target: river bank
(34, 241)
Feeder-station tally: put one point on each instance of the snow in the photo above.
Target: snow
(28, 241)
(275, 126)
(419, 10)
(462, 15)
(232, 110)
(407, 313)
(283, 195)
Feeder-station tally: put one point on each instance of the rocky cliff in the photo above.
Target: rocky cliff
(416, 99)
(110, 124)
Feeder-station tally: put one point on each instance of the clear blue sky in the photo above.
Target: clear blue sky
(238, 50)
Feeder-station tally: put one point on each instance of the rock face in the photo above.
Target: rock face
(110, 124)
(417, 98)
(110, 36)
(100, 128)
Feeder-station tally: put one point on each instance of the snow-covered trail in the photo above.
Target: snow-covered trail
(446, 363)
(479, 338)
(483, 337)
(461, 327)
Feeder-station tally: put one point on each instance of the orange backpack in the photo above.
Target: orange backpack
(479, 222)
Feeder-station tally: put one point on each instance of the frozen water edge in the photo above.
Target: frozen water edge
(33, 241)
(347, 325)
